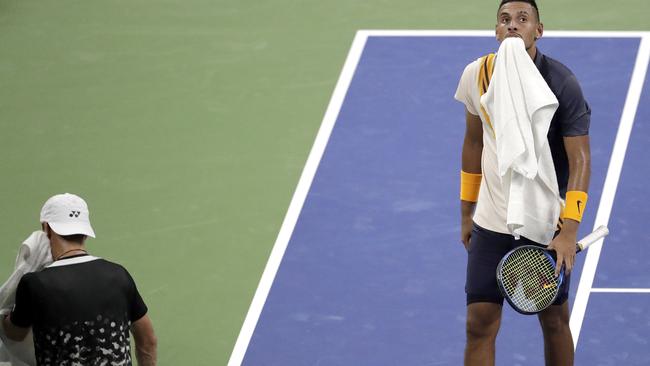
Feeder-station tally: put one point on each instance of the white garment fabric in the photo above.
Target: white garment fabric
(34, 254)
(521, 106)
(490, 212)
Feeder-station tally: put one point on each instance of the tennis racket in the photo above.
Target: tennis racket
(526, 275)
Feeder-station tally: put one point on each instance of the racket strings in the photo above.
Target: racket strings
(528, 278)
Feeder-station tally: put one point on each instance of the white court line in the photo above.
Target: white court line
(490, 33)
(622, 290)
(611, 183)
(297, 201)
(318, 149)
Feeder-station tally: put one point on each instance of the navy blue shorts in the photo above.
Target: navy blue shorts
(486, 249)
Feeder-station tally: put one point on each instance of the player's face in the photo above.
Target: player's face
(518, 19)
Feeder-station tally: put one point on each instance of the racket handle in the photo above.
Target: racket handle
(596, 235)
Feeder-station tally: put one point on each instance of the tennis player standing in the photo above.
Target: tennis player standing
(483, 204)
(81, 308)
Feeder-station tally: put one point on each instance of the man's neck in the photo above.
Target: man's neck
(68, 250)
(532, 51)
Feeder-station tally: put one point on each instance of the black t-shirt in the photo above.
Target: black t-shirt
(572, 117)
(80, 309)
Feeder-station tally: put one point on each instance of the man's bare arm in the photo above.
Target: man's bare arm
(146, 343)
(579, 156)
(471, 163)
(13, 332)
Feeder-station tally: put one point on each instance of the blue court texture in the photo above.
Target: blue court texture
(374, 271)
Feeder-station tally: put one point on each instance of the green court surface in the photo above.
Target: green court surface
(186, 124)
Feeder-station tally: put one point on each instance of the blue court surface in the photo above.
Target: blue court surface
(373, 272)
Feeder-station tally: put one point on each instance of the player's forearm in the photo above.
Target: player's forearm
(146, 342)
(471, 163)
(579, 174)
(13, 332)
(578, 181)
(146, 356)
(467, 209)
(472, 144)
(471, 156)
(579, 156)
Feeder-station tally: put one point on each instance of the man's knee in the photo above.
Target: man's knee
(483, 320)
(554, 324)
(555, 319)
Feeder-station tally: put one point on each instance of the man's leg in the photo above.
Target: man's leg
(558, 342)
(484, 300)
(483, 320)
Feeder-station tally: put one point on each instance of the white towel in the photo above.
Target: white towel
(521, 106)
(33, 255)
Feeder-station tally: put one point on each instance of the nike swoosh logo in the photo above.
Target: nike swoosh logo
(579, 202)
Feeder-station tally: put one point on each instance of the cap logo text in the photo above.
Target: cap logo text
(75, 213)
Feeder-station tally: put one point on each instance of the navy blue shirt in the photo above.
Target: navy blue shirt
(572, 117)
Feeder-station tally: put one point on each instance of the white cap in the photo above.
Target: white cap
(67, 214)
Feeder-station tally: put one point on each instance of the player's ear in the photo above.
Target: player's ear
(540, 31)
(47, 230)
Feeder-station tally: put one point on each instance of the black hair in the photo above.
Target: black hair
(75, 238)
(531, 2)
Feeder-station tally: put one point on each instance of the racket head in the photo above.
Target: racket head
(526, 279)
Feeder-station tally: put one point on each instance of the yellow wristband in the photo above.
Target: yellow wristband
(470, 184)
(576, 201)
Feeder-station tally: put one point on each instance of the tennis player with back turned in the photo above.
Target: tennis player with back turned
(484, 231)
(82, 308)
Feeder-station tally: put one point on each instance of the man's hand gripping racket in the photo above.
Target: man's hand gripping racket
(526, 275)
